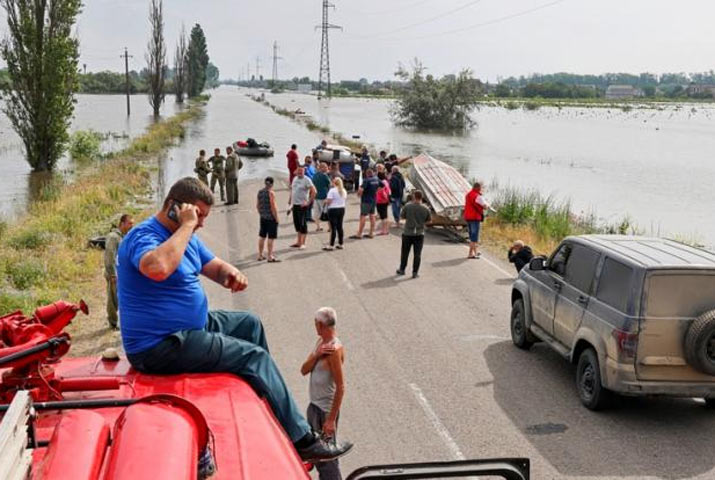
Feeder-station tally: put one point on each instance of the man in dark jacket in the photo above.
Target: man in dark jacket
(397, 189)
(520, 255)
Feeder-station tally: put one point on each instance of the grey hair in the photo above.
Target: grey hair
(326, 316)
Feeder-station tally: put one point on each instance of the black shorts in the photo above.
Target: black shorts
(300, 216)
(269, 228)
(382, 210)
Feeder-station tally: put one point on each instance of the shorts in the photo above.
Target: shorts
(382, 210)
(473, 226)
(269, 228)
(367, 208)
(320, 208)
(300, 217)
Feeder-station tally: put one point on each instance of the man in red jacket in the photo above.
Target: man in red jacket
(292, 157)
(474, 206)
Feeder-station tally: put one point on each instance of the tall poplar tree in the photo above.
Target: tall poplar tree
(180, 66)
(156, 56)
(42, 55)
(197, 61)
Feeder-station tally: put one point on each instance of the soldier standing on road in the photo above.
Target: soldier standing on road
(327, 386)
(111, 246)
(416, 216)
(202, 168)
(233, 165)
(218, 172)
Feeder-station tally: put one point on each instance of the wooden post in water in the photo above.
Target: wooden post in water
(126, 77)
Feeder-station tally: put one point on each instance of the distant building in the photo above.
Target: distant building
(305, 87)
(700, 89)
(615, 92)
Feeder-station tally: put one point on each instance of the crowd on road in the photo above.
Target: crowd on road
(153, 270)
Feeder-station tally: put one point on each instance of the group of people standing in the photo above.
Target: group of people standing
(223, 170)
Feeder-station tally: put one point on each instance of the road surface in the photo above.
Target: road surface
(430, 368)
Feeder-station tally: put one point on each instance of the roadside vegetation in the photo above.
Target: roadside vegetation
(44, 255)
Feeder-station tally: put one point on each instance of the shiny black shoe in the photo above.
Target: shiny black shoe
(415, 274)
(400, 272)
(322, 451)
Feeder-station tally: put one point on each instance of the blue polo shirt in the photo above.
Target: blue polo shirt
(149, 310)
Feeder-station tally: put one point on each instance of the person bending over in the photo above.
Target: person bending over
(167, 327)
(520, 255)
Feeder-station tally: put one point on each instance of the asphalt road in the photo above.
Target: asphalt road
(430, 368)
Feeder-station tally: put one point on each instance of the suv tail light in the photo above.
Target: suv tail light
(626, 344)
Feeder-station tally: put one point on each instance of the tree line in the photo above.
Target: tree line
(41, 53)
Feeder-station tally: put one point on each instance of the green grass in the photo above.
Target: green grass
(44, 255)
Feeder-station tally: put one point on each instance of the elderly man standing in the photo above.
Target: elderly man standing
(111, 246)
(327, 385)
(233, 165)
(167, 327)
(218, 172)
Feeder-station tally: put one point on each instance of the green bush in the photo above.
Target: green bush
(30, 238)
(26, 273)
(85, 145)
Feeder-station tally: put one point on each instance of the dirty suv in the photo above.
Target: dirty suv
(636, 315)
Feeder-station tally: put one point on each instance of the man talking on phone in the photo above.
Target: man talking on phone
(167, 327)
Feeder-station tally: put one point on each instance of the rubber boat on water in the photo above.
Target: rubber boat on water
(245, 149)
(444, 188)
(99, 419)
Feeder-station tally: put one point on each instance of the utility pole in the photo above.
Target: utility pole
(126, 77)
(324, 75)
(84, 67)
(258, 69)
(275, 63)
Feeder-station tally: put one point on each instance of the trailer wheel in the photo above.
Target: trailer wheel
(700, 343)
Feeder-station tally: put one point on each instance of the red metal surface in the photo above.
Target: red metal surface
(159, 437)
(249, 442)
(77, 448)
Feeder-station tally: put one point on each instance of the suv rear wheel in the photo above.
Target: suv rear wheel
(700, 343)
(519, 333)
(591, 391)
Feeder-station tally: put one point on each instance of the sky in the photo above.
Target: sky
(494, 38)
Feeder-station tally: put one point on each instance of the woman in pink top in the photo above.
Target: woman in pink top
(383, 202)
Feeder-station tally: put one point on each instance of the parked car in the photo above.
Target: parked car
(635, 314)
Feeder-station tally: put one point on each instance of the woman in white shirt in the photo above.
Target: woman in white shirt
(335, 202)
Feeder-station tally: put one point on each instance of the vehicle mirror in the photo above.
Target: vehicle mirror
(537, 263)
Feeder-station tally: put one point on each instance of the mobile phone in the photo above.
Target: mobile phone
(173, 212)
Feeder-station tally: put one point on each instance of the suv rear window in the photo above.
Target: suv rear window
(581, 267)
(614, 284)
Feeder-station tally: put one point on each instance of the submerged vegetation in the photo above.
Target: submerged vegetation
(44, 255)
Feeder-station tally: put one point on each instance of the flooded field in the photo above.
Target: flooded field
(652, 165)
(103, 113)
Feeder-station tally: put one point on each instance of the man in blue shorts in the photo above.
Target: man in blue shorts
(368, 200)
(167, 327)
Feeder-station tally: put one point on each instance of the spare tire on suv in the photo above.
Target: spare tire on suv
(700, 343)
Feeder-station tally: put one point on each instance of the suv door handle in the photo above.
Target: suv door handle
(558, 285)
(582, 299)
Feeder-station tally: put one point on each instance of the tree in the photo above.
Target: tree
(427, 102)
(197, 61)
(156, 56)
(212, 74)
(42, 57)
(180, 66)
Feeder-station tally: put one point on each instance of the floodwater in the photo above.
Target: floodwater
(653, 166)
(102, 113)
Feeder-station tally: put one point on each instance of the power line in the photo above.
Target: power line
(392, 10)
(474, 26)
(429, 20)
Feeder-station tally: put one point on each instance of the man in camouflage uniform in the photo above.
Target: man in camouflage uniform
(111, 246)
(202, 168)
(218, 172)
(233, 165)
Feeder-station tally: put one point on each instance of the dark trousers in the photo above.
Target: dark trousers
(232, 342)
(409, 242)
(299, 218)
(316, 419)
(336, 215)
(232, 191)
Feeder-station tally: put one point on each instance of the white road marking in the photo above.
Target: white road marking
(493, 264)
(346, 280)
(437, 423)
